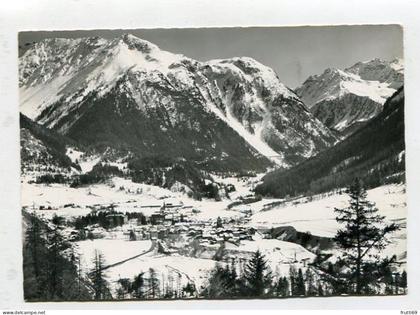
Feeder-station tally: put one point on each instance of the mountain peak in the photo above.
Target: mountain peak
(252, 70)
(331, 70)
(332, 95)
(389, 72)
(375, 64)
(136, 43)
(397, 64)
(328, 73)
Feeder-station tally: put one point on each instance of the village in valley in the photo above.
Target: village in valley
(138, 228)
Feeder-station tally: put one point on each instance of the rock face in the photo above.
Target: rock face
(344, 99)
(378, 70)
(375, 154)
(43, 150)
(129, 94)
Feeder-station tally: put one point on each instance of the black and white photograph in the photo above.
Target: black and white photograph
(212, 163)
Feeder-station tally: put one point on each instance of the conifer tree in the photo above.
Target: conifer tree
(363, 233)
(137, 286)
(397, 280)
(282, 287)
(223, 283)
(98, 277)
(153, 284)
(257, 276)
(293, 280)
(300, 284)
(56, 245)
(388, 280)
(311, 285)
(34, 259)
(297, 282)
(403, 281)
(49, 274)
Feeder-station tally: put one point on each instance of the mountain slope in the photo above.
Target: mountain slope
(382, 71)
(343, 99)
(152, 133)
(375, 153)
(128, 93)
(42, 148)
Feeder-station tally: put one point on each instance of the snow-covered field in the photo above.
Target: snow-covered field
(187, 269)
(280, 255)
(275, 250)
(113, 251)
(118, 190)
(124, 194)
(318, 217)
(243, 185)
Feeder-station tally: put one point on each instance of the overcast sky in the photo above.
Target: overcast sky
(293, 52)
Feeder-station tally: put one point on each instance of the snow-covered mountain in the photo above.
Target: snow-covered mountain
(391, 72)
(375, 154)
(350, 97)
(128, 93)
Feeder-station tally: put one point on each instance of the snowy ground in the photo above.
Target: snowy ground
(275, 250)
(318, 217)
(123, 193)
(280, 255)
(118, 190)
(113, 250)
(187, 269)
(242, 185)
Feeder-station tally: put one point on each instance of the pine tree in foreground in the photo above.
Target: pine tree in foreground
(223, 283)
(56, 245)
(403, 281)
(99, 282)
(257, 276)
(34, 258)
(297, 282)
(311, 283)
(364, 234)
(48, 273)
(282, 287)
(137, 287)
(153, 280)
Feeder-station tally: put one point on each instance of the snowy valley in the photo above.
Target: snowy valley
(182, 239)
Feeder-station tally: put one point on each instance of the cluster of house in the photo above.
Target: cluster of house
(174, 220)
(206, 232)
(230, 232)
(169, 220)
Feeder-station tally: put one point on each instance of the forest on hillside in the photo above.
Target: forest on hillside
(375, 154)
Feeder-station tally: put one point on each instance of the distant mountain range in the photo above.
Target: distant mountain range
(346, 99)
(375, 153)
(129, 95)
